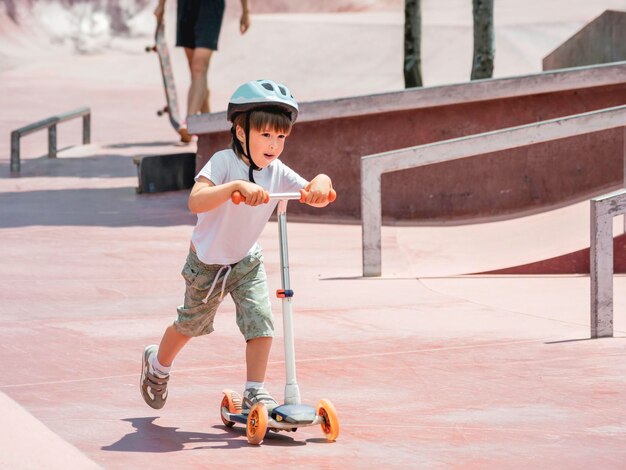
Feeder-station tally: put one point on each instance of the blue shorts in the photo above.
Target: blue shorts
(199, 23)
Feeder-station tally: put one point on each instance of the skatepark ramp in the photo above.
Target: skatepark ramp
(374, 166)
(51, 125)
(332, 136)
(28, 443)
(600, 41)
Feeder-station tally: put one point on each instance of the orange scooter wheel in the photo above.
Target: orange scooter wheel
(330, 422)
(256, 427)
(232, 402)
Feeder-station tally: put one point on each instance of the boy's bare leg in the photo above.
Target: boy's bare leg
(257, 355)
(199, 60)
(171, 344)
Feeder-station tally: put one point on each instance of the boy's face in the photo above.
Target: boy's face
(266, 145)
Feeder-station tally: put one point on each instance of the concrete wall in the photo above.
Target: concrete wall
(487, 187)
(602, 40)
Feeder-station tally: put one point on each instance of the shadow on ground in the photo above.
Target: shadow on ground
(105, 207)
(100, 166)
(92, 161)
(150, 437)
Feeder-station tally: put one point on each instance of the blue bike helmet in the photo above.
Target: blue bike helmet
(259, 94)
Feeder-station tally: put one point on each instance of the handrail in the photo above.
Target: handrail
(50, 124)
(373, 166)
(603, 209)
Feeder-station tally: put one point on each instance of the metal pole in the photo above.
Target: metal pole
(87, 129)
(52, 141)
(292, 391)
(15, 152)
(282, 235)
(601, 270)
(371, 217)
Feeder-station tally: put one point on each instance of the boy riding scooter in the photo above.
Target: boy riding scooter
(224, 256)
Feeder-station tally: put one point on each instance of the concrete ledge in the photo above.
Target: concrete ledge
(420, 98)
(337, 133)
(26, 443)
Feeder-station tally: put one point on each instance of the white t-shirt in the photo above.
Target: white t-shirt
(229, 232)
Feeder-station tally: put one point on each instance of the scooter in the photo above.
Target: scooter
(292, 414)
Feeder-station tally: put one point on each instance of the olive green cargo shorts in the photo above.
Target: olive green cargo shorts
(246, 282)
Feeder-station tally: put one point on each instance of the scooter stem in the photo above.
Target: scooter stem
(292, 391)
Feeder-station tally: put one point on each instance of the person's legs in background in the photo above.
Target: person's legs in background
(198, 96)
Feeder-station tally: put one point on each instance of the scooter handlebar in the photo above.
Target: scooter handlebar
(238, 198)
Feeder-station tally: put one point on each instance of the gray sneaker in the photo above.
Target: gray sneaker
(153, 387)
(252, 396)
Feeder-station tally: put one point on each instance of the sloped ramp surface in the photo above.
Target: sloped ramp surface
(550, 242)
(577, 262)
(28, 443)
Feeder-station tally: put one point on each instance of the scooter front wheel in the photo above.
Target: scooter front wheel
(256, 426)
(330, 422)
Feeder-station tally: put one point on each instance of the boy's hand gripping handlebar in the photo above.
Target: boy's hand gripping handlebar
(301, 196)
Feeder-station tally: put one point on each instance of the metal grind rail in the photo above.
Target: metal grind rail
(603, 209)
(374, 166)
(50, 124)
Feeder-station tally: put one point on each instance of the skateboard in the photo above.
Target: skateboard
(171, 107)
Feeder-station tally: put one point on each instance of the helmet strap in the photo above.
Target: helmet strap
(239, 148)
(253, 166)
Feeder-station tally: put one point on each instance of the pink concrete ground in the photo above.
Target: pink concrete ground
(427, 369)
(481, 372)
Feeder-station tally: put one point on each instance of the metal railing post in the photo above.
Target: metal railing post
(87, 129)
(603, 209)
(52, 141)
(15, 152)
(624, 161)
(601, 271)
(51, 125)
(371, 215)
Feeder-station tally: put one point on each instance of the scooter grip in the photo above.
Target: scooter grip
(332, 195)
(237, 198)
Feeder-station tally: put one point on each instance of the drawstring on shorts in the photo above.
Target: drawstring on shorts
(228, 270)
